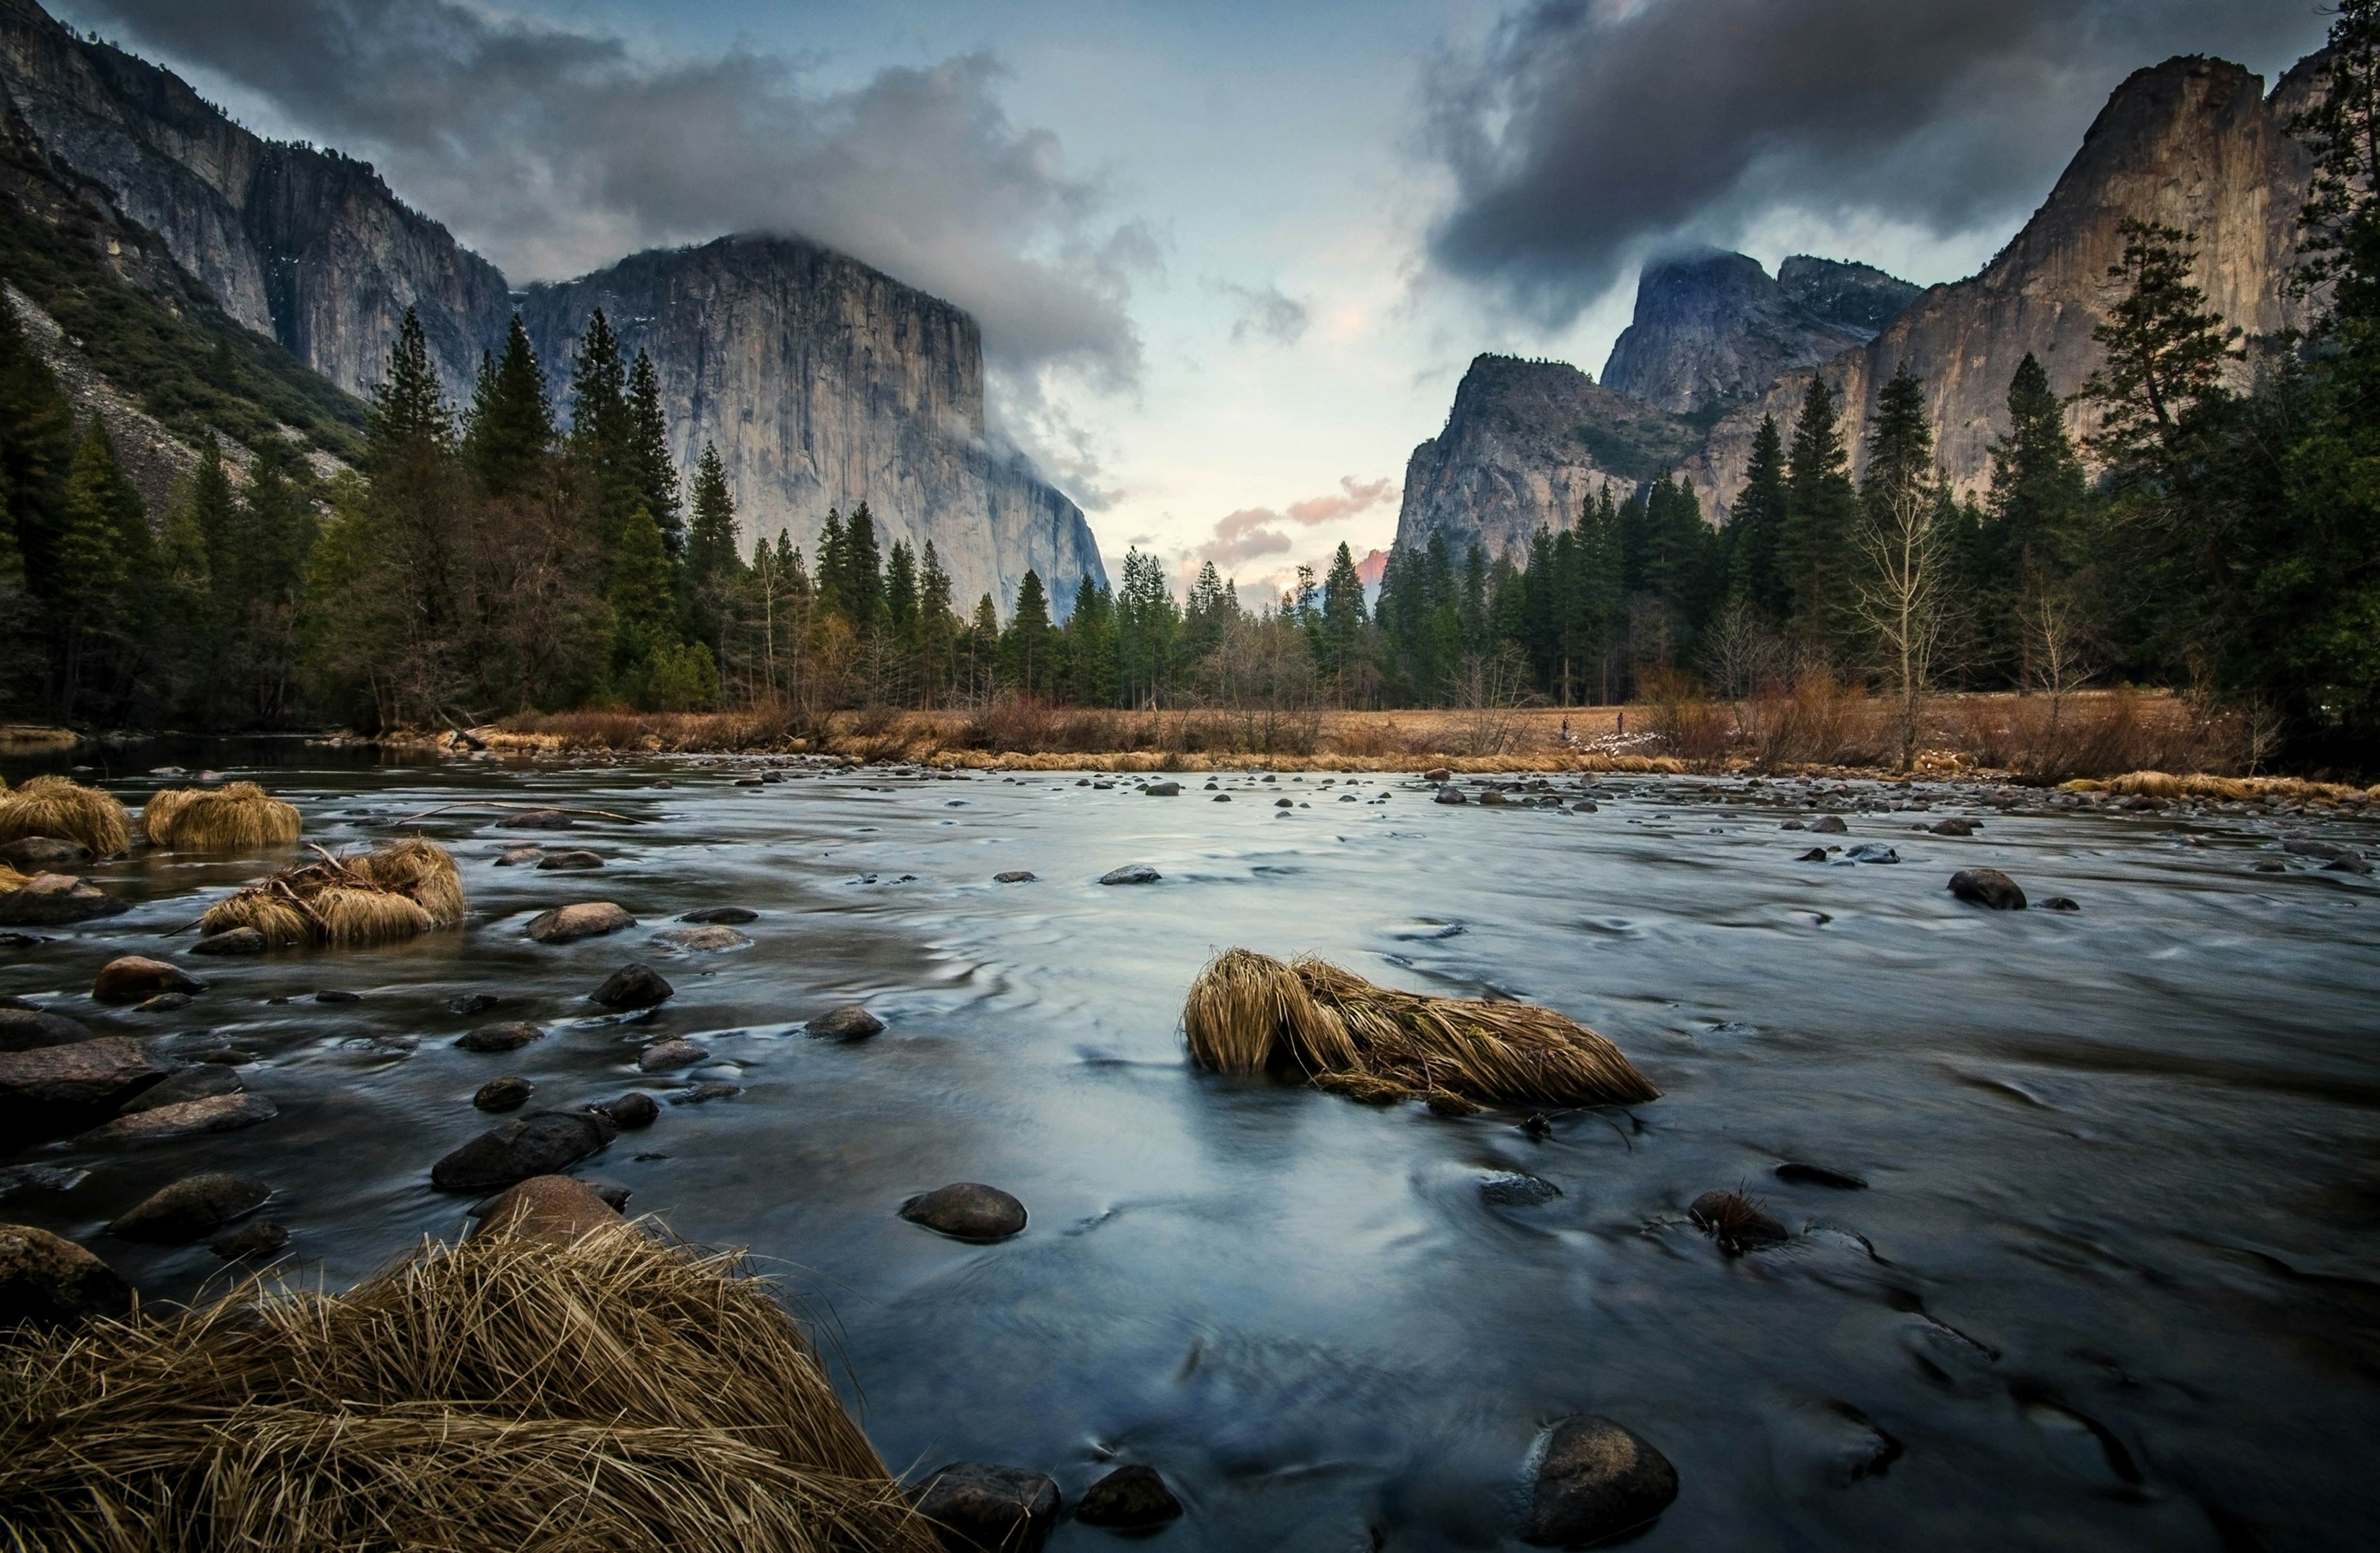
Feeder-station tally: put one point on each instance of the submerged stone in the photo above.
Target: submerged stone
(1128, 1499)
(980, 1504)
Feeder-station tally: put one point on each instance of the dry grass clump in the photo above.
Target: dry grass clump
(510, 1392)
(393, 891)
(1248, 1014)
(11, 880)
(61, 808)
(237, 817)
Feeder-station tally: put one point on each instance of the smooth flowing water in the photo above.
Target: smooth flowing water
(2113, 1280)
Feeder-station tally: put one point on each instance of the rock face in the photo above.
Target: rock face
(1713, 329)
(2195, 143)
(1528, 443)
(822, 383)
(307, 247)
(825, 384)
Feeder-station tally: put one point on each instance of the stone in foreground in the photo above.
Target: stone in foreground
(580, 920)
(849, 1022)
(217, 1114)
(1128, 1500)
(1131, 873)
(52, 900)
(1988, 887)
(721, 916)
(262, 1238)
(510, 1036)
(104, 1072)
(49, 1281)
(634, 987)
(25, 1029)
(966, 1210)
(233, 941)
(543, 1142)
(979, 1506)
(1594, 1479)
(548, 1207)
(192, 1209)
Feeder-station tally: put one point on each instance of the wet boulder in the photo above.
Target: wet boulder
(1594, 1478)
(966, 1210)
(1450, 794)
(1128, 1500)
(192, 1209)
(1988, 887)
(216, 1113)
(100, 1074)
(1438, 773)
(1014, 876)
(634, 987)
(231, 940)
(979, 1506)
(849, 1022)
(24, 1029)
(1517, 1189)
(701, 940)
(508, 1093)
(543, 1142)
(514, 856)
(549, 1207)
(130, 978)
(574, 860)
(199, 1080)
(466, 1004)
(510, 1036)
(580, 920)
(1737, 1223)
(725, 916)
(33, 855)
(262, 1238)
(2310, 846)
(1162, 790)
(2061, 903)
(662, 1056)
(635, 1109)
(541, 819)
(53, 900)
(1829, 825)
(1871, 852)
(1951, 827)
(1131, 873)
(1815, 855)
(46, 1280)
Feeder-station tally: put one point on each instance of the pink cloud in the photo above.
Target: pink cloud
(1253, 531)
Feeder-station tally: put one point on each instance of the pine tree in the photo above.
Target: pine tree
(509, 431)
(644, 604)
(651, 468)
(1091, 646)
(937, 626)
(601, 432)
(2165, 353)
(409, 408)
(863, 573)
(1026, 651)
(98, 552)
(901, 597)
(1818, 521)
(712, 568)
(2018, 551)
(1756, 528)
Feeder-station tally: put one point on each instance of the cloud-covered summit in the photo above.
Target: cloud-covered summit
(1586, 133)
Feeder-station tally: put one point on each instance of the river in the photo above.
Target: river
(2113, 1280)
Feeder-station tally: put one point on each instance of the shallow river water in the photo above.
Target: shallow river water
(2114, 1280)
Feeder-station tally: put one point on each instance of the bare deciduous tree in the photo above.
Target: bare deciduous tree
(1903, 598)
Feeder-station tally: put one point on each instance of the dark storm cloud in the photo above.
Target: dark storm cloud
(1590, 131)
(554, 150)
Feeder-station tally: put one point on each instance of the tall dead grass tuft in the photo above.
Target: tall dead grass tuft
(1248, 1013)
(393, 891)
(61, 808)
(510, 1392)
(237, 817)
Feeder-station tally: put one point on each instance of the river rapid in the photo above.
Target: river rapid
(2113, 1280)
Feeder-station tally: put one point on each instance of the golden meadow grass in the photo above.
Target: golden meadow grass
(237, 817)
(63, 809)
(393, 891)
(1250, 1013)
(511, 1393)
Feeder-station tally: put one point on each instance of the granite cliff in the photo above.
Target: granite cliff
(1712, 329)
(821, 381)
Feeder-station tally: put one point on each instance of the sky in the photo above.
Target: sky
(1230, 258)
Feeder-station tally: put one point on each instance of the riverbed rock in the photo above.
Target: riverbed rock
(263, 1238)
(2349, 865)
(216, 1113)
(633, 1109)
(1988, 887)
(1596, 1478)
(1517, 1189)
(1438, 773)
(1014, 876)
(466, 1004)
(33, 855)
(47, 1280)
(541, 819)
(1829, 825)
(1450, 794)
(1162, 790)
(574, 859)
(662, 1056)
(199, 1080)
(556, 1209)
(705, 1092)
(543, 1142)
(966, 1210)
(1805, 1174)
(516, 856)
(164, 1002)
(701, 940)
(2312, 847)
(2061, 903)
(231, 941)
(130, 978)
(53, 900)
(980, 1507)
(510, 1036)
(192, 1209)
(580, 920)
(1871, 852)
(1737, 1223)
(1815, 855)
(98, 1073)
(849, 1022)
(1131, 873)
(721, 916)
(508, 1093)
(1128, 1500)
(25, 1029)
(634, 987)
